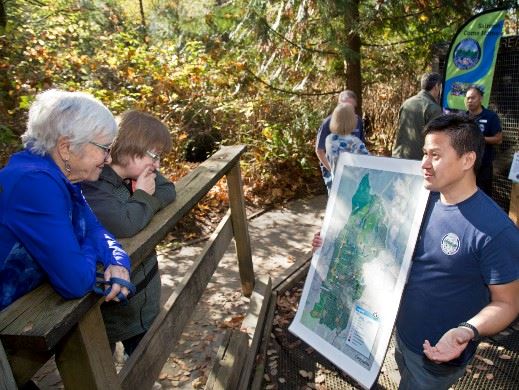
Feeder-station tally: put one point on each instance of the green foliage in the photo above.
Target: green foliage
(260, 72)
(9, 143)
(6, 135)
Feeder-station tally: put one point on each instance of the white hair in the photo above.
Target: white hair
(75, 115)
(346, 96)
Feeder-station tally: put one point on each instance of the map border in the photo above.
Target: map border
(364, 377)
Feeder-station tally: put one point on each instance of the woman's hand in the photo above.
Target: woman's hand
(317, 242)
(118, 272)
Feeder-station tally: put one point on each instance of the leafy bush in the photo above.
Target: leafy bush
(229, 70)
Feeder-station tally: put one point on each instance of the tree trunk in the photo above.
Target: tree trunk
(143, 18)
(3, 17)
(353, 75)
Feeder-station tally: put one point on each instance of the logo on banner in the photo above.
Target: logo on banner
(467, 54)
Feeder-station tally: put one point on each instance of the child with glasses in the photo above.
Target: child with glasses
(129, 192)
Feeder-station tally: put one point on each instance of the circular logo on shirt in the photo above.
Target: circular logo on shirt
(450, 244)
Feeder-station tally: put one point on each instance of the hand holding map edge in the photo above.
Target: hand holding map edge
(317, 242)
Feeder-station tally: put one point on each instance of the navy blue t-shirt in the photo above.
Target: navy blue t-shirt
(461, 250)
(490, 125)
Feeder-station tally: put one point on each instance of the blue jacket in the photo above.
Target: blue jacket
(48, 232)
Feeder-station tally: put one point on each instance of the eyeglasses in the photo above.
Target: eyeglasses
(154, 156)
(105, 148)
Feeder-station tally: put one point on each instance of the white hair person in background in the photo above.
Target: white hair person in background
(47, 230)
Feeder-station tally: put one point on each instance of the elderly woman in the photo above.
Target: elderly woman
(128, 193)
(47, 230)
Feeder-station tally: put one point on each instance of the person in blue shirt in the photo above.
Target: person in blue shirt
(47, 230)
(349, 97)
(490, 126)
(464, 279)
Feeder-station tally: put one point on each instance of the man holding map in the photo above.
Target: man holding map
(464, 281)
(464, 278)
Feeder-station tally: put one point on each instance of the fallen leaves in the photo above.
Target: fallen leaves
(199, 383)
(320, 379)
(295, 344)
(163, 375)
(234, 322)
(485, 365)
(28, 327)
(306, 374)
(181, 364)
(484, 360)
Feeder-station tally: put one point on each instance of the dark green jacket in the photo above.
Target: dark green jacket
(124, 214)
(414, 114)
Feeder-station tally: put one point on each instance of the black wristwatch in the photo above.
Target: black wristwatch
(473, 329)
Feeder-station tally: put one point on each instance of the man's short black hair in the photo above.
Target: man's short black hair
(476, 88)
(465, 135)
(430, 80)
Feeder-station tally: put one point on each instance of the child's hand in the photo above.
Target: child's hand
(317, 242)
(146, 181)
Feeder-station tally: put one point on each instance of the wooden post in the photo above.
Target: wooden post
(24, 363)
(514, 204)
(241, 230)
(84, 358)
(261, 359)
(253, 325)
(225, 373)
(6, 375)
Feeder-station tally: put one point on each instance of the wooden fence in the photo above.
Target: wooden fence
(41, 323)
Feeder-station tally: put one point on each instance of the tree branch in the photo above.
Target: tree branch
(404, 42)
(37, 2)
(286, 91)
(409, 15)
(262, 19)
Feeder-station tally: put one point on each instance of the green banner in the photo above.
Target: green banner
(472, 58)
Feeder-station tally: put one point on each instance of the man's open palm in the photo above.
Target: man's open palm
(449, 347)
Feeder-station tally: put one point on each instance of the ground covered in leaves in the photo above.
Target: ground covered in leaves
(291, 364)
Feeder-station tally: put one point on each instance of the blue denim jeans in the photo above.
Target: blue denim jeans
(419, 373)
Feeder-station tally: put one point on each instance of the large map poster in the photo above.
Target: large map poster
(354, 285)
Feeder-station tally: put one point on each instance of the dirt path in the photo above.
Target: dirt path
(278, 238)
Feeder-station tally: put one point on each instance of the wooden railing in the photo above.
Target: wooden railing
(41, 323)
